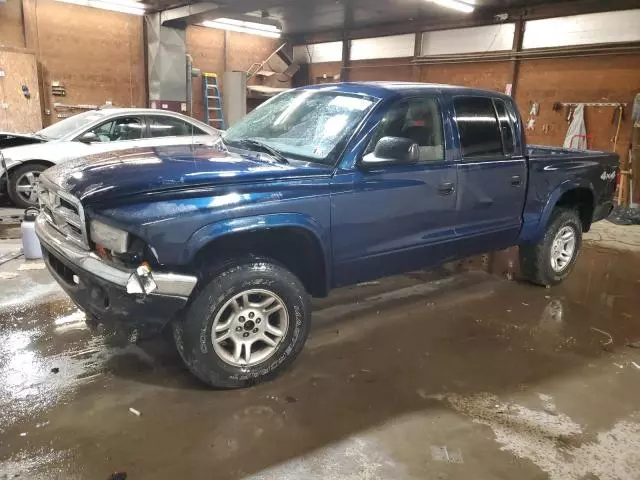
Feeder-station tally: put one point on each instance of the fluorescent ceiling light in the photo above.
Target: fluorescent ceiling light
(253, 28)
(466, 6)
(122, 6)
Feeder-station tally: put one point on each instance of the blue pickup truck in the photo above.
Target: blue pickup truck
(320, 187)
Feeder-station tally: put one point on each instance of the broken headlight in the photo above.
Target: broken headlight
(108, 237)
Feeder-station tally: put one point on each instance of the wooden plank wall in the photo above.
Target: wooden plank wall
(614, 78)
(98, 55)
(11, 31)
(18, 113)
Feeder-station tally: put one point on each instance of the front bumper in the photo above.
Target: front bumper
(100, 289)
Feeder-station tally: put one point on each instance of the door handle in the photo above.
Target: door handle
(446, 188)
(516, 181)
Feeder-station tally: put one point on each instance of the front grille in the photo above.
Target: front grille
(64, 212)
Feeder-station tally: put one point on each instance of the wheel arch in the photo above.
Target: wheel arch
(570, 194)
(12, 169)
(294, 240)
(35, 161)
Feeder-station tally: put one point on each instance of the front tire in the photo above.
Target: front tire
(246, 326)
(23, 184)
(551, 260)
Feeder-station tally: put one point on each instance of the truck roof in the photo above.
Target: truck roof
(390, 89)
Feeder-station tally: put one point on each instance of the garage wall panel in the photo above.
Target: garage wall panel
(487, 75)
(22, 114)
(207, 48)
(610, 79)
(607, 27)
(97, 55)
(395, 46)
(490, 38)
(386, 69)
(318, 52)
(11, 30)
(326, 72)
(244, 49)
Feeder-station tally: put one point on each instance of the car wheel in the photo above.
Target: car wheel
(551, 260)
(23, 185)
(247, 325)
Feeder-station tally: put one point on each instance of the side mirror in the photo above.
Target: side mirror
(392, 151)
(89, 137)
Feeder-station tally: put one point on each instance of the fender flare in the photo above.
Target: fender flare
(216, 230)
(13, 164)
(552, 200)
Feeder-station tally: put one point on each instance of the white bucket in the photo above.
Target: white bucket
(30, 243)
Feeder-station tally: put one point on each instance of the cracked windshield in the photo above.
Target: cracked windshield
(308, 125)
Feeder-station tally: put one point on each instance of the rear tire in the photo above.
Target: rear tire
(551, 260)
(227, 312)
(22, 186)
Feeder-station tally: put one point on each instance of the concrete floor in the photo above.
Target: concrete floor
(460, 373)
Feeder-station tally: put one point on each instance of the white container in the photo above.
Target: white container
(30, 243)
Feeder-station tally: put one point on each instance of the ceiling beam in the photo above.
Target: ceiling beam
(518, 38)
(346, 43)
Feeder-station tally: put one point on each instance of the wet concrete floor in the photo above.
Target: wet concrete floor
(455, 374)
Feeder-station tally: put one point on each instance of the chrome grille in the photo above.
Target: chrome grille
(64, 212)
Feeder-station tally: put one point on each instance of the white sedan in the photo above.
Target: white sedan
(91, 132)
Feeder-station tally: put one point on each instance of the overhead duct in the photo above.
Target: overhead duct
(201, 12)
(167, 65)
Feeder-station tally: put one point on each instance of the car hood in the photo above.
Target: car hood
(15, 155)
(139, 171)
(10, 139)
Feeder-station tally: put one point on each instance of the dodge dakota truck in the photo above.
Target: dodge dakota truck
(320, 187)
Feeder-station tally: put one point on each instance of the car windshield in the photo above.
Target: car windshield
(69, 125)
(311, 125)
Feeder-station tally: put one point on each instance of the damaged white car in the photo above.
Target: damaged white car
(95, 131)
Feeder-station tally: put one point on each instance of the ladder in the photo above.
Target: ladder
(212, 101)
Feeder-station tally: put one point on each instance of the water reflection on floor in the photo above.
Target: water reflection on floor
(455, 357)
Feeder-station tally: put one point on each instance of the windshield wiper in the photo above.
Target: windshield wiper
(275, 153)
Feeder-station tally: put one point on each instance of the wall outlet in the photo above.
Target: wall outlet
(2, 74)
(5, 106)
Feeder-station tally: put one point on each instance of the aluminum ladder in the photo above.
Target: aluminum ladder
(212, 101)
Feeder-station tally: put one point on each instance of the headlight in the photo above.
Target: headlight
(109, 237)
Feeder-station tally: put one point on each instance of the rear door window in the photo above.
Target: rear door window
(506, 129)
(478, 126)
(161, 126)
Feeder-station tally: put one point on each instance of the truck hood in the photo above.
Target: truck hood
(105, 177)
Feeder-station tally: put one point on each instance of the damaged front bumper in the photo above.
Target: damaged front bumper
(136, 299)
